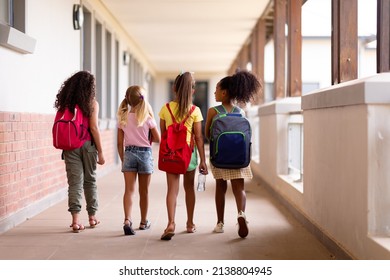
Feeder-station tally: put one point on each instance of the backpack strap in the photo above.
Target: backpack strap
(185, 119)
(170, 112)
(189, 114)
(221, 109)
(77, 108)
(236, 110)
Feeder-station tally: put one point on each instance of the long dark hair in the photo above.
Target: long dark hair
(241, 87)
(78, 89)
(183, 86)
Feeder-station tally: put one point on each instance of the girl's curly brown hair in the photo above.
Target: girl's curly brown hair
(78, 89)
(242, 86)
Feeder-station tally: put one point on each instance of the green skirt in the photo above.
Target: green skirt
(194, 160)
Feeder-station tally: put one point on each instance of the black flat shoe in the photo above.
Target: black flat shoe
(128, 230)
(167, 235)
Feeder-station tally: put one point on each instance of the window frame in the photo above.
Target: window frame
(12, 33)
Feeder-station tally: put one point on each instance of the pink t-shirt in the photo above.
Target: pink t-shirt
(137, 135)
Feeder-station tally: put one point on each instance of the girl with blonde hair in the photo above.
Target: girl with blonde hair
(137, 129)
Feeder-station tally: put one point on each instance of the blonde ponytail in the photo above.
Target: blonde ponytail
(142, 111)
(136, 99)
(122, 113)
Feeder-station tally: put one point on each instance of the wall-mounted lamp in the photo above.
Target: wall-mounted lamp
(126, 58)
(78, 16)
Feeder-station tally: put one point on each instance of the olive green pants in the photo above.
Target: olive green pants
(81, 172)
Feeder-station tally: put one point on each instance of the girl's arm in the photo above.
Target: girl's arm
(119, 143)
(155, 135)
(210, 115)
(200, 144)
(162, 126)
(94, 128)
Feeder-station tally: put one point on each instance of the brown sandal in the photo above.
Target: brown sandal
(93, 222)
(191, 229)
(76, 228)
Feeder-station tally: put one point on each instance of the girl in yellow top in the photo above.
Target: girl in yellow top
(183, 88)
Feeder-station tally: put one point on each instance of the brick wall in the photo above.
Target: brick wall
(30, 167)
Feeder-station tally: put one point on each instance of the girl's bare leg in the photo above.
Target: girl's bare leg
(171, 199)
(130, 178)
(144, 182)
(220, 192)
(189, 181)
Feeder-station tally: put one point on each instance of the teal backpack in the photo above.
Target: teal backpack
(230, 139)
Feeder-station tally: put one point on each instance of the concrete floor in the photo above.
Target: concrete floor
(273, 232)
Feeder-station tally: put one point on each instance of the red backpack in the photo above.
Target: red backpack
(175, 153)
(69, 132)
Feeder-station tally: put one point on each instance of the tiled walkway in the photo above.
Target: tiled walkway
(273, 233)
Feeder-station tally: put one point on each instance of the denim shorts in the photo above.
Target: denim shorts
(138, 159)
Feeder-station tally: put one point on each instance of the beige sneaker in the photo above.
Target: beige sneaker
(242, 225)
(219, 228)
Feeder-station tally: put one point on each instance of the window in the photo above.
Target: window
(13, 26)
(6, 12)
(99, 68)
(108, 69)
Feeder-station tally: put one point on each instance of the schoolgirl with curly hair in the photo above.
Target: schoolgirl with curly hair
(81, 163)
(238, 88)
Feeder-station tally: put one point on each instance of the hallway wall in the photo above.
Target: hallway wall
(344, 195)
(32, 172)
(29, 82)
(32, 176)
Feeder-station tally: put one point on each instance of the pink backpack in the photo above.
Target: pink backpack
(69, 132)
